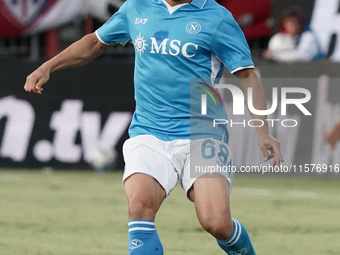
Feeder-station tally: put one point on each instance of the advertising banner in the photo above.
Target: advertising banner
(81, 111)
(88, 109)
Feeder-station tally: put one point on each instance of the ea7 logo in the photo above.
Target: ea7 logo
(141, 21)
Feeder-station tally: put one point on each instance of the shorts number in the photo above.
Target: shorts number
(223, 155)
(209, 151)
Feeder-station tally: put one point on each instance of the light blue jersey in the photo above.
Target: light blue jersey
(173, 45)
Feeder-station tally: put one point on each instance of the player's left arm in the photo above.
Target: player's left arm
(269, 146)
(78, 54)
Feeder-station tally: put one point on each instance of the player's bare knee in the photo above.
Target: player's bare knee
(141, 208)
(218, 227)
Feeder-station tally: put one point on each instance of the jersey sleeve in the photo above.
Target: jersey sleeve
(230, 45)
(116, 29)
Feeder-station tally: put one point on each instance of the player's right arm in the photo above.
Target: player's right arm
(231, 47)
(79, 53)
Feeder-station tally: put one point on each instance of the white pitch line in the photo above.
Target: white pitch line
(290, 193)
(304, 194)
(254, 192)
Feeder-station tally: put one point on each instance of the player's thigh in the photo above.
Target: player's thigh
(212, 203)
(210, 191)
(208, 167)
(147, 154)
(211, 195)
(148, 176)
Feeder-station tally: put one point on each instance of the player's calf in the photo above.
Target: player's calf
(212, 202)
(144, 195)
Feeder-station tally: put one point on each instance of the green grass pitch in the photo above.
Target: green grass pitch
(83, 213)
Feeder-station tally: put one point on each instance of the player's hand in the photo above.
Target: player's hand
(36, 80)
(271, 149)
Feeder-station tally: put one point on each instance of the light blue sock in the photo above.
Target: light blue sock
(239, 242)
(143, 238)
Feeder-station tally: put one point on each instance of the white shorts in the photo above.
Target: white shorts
(169, 162)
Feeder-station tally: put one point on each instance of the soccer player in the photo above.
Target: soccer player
(175, 40)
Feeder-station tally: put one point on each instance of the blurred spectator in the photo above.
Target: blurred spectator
(254, 17)
(296, 41)
(333, 136)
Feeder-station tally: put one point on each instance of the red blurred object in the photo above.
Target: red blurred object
(253, 16)
(333, 136)
(89, 27)
(16, 17)
(52, 43)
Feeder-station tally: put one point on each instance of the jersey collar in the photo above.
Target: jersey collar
(197, 3)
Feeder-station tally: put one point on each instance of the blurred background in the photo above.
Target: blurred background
(85, 112)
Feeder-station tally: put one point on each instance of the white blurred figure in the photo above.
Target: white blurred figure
(103, 9)
(281, 42)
